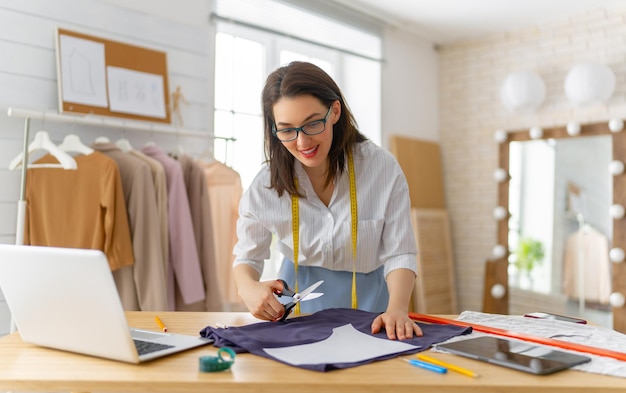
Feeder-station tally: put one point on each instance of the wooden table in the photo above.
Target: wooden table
(24, 367)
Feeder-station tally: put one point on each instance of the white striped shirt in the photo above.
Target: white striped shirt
(385, 232)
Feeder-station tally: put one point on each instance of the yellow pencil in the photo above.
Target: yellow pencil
(160, 323)
(449, 366)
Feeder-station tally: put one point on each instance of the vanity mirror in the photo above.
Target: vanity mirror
(561, 225)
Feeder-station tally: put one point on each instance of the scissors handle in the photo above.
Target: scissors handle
(285, 291)
(288, 309)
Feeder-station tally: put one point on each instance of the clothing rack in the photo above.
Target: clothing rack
(88, 119)
(110, 122)
(82, 119)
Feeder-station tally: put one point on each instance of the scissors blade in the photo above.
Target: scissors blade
(312, 296)
(308, 291)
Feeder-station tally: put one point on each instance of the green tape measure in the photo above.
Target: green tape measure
(209, 364)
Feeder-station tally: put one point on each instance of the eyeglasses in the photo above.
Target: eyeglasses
(312, 128)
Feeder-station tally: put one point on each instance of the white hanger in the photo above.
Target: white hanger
(206, 156)
(42, 142)
(179, 150)
(124, 145)
(72, 143)
(102, 139)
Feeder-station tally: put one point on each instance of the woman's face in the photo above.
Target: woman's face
(310, 150)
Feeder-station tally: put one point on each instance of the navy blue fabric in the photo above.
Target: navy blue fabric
(317, 327)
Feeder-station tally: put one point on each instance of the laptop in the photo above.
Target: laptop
(523, 356)
(66, 298)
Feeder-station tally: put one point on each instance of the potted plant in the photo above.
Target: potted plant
(528, 255)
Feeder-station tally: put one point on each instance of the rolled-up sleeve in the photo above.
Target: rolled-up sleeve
(399, 250)
(253, 238)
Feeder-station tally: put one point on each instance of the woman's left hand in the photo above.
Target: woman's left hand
(397, 324)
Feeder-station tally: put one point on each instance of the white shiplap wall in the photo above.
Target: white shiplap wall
(28, 78)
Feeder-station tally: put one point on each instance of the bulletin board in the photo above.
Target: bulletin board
(111, 78)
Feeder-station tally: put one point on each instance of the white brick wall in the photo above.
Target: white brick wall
(471, 73)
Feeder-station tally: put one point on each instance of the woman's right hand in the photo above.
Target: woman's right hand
(260, 300)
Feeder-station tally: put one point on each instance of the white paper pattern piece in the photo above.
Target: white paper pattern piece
(136, 92)
(82, 71)
(589, 335)
(345, 345)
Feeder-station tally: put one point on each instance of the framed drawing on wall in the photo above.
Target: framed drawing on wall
(111, 78)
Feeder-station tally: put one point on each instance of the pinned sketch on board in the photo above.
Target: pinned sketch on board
(83, 71)
(136, 92)
(104, 77)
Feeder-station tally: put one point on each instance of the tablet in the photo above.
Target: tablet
(522, 356)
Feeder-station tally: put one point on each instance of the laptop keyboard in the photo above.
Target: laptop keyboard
(144, 347)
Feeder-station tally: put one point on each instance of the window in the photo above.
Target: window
(239, 77)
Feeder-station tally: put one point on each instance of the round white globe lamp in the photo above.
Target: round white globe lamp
(523, 91)
(589, 83)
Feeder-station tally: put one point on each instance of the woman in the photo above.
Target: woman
(322, 173)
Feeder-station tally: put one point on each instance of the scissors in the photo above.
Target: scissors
(307, 294)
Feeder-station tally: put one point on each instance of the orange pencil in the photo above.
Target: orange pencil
(447, 365)
(160, 323)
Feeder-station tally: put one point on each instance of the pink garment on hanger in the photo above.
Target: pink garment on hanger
(183, 254)
(597, 275)
(225, 190)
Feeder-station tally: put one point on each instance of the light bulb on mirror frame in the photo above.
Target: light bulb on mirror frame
(498, 251)
(573, 128)
(500, 136)
(499, 213)
(535, 132)
(617, 300)
(500, 175)
(616, 255)
(616, 125)
(617, 211)
(498, 291)
(616, 167)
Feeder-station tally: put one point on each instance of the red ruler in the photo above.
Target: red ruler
(521, 336)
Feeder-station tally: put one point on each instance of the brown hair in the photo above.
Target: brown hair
(296, 79)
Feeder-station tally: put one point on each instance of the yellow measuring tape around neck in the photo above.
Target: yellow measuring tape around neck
(296, 239)
(355, 225)
(295, 220)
